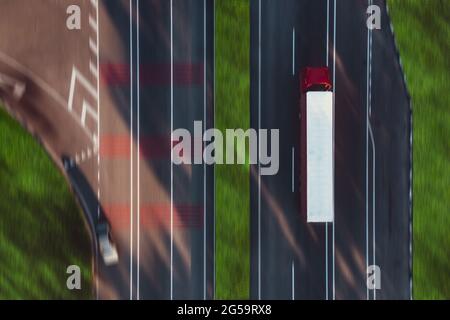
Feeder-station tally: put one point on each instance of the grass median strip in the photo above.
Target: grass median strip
(41, 226)
(232, 81)
(423, 36)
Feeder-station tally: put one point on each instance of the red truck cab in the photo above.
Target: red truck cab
(316, 145)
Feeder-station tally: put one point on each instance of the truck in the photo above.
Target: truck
(316, 145)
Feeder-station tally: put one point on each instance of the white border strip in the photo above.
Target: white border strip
(334, 90)
(204, 144)
(259, 150)
(171, 152)
(131, 150)
(138, 204)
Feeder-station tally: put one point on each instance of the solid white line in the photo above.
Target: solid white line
(373, 162)
(293, 280)
(204, 164)
(97, 142)
(328, 29)
(373, 204)
(293, 170)
(373, 159)
(370, 71)
(98, 110)
(367, 160)
(259, 150)
(171, 151)
(293, 51)
(334, 85)
(138, 188)
(326, 224)
(131, 150)
(214, 170)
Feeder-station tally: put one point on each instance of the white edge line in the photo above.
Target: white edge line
(204, 143)
(334, 89)
(367, 202)
(98, 122)
(171, 152)
(367, 162)
(328, 30)
(373, 166)
(98, 112)
(373, 202)
(131, 150)
(138, 222)
(326, 224)
(214, 170)
(259, 150)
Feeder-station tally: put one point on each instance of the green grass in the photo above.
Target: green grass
(41, 227)
(232, 68)
(423, 34)
(42, 232)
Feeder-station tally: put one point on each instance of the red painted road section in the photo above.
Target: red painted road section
(155, 215)
(151, 147)
(184, 74)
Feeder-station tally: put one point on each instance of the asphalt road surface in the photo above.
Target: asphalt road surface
(107, 98)
(291, 259)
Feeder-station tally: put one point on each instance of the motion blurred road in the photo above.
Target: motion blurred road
(107, 97)
(292, 259)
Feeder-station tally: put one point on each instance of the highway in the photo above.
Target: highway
(107, 97)
(291, 259)
(161, 77)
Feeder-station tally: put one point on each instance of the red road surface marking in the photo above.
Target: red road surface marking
(112, 146)
(151, 147)
(184, 74)
(155, 215)
(115, 74)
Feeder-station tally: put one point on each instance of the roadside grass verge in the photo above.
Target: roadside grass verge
(232, 79)
(41, 227)
(422, 31)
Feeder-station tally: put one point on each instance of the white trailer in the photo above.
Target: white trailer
(317, 145)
